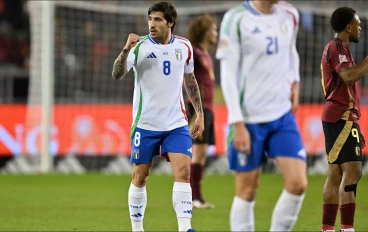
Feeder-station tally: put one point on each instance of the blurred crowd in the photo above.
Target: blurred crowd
(87, 41)
(14, 33)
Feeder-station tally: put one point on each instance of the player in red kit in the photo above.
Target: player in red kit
(340, 115)
(202, 33)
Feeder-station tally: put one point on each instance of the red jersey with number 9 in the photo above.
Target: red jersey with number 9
(342, 100)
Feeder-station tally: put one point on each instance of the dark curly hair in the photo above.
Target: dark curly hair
(167, 9)
(341, 17)
(198, 27)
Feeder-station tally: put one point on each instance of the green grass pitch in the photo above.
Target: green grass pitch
(97, 202)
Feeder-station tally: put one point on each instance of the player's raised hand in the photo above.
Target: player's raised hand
(132, 41)
(198, 126)
(241, 138)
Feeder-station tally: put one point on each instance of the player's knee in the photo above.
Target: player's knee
(296, 186)
(352, 176)
(182, 174)
(248, 193)
(247, 190)
(140, 179)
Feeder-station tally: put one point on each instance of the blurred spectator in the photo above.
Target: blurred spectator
(14, 33)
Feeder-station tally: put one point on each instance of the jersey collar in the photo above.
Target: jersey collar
(155, 42)
(249, 6)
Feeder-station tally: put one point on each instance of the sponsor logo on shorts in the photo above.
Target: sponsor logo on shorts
(302, 153)
(242, 159)
(357, 150)
(136, 154)
(190, 150)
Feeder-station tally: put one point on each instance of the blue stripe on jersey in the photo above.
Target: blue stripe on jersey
(152, 40)
(155, 42)
(172, 39)
(249, 7)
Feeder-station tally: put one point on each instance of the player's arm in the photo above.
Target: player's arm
(121, 67)
(352, 74)
(295, 64)
(228, 52)
(192, 90)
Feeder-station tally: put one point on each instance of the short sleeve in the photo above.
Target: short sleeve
(229, 41)
(340, 56)
(130, 59)
(189, 63)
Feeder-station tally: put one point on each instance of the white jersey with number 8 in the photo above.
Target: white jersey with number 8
(159, 69)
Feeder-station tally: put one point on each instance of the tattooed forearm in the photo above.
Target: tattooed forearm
(120, 65)
(192, 89)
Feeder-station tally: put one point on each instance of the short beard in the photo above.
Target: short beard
(354, 40)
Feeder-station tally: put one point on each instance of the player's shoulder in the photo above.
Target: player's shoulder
(288, 8)
(234, 10)
(336, 45)
(182, 40)
(231, 17)
(233, 14)
(145, 39)
(142, 40)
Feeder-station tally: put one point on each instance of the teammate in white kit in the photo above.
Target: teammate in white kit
(161, 61)
(260, 83)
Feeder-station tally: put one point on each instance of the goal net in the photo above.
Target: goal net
(91, 113)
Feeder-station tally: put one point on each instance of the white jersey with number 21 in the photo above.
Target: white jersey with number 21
(264, 49)
(159, 69)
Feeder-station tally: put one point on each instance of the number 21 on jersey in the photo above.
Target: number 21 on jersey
(272, 45)
(167, 67)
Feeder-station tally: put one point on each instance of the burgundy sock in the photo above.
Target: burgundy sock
(329, 216)
(196, 172)
(347, 212)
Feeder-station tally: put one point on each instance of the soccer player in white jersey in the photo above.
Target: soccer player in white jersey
(260, 83)
(161, 61)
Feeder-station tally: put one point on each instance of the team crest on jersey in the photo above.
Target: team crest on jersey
(178, 54)
(283, 28)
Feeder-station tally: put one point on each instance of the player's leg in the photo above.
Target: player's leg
(196, 173)
(144, 147)
(178, 145)
(343, 146)
(333, 181)
(137, 195)
(285, 145)
(200, 146)
(246, 169)
(286, 211)
(352, 172)
(242, 208)
(331, 197)
(351, 163)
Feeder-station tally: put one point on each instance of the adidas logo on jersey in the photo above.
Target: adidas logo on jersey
(256, 30)
(152, 55)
